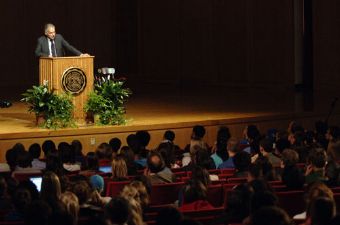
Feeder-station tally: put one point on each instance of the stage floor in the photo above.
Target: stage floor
(167, 109)
(159, 110)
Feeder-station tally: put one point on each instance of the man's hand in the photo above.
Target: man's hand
(84, 55)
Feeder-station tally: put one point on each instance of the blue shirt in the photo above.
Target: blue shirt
(217, 160)
(229, 163)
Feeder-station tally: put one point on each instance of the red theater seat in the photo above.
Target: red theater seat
(114, 187)
(292, 201)
(204, 216)
(165, 193)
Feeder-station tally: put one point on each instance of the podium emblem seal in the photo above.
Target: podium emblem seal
(73, 80)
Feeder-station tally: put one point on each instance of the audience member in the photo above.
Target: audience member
(321, 211)
(144, 198)
(118, 211)
(97, 184)
(252, 138)
(54, 164)
(194, 197)
(119, 169)
(202, 175)
(315, 171)
(24, 164)
(71, 202)
(200, 157)
(266, 150)
(270, 216)
(169, 216)
(131, 194)
(104, 153)
(11, 159)
(221, 146)
(315, 190)
(238, 204)
(127, 154)
(21, 199)
(48, 146)
(156, 170)
(91, 165)
(197, 136)
(232, 148)
(167, 152)
(115, 144)
(5, 200)
(35, 151)
(291, 176)
(268, 172)
(37, 212)
(51, 191)
(68, 157)
(78, 151)
(242, 161)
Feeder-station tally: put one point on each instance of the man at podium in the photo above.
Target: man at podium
(54, 45)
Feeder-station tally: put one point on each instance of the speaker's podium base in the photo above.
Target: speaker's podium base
(69, 74)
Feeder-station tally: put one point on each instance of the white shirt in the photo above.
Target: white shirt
(301, 216)
(50, 46)
(71, 167)
(37, 164)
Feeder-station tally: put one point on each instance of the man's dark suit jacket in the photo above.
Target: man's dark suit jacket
(60, 44)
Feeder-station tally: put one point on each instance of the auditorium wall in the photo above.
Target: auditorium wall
(232, 43)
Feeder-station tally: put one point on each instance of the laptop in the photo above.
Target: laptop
(105, 169)
(37, 182)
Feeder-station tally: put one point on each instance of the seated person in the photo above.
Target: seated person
(291, 176)
(156, 170)
(194, 197)
(242, 162)
(24, 164)
(68, 157)
(232, 148)
(119, 169)
(266, 150)
(315, 171)
(35, 151)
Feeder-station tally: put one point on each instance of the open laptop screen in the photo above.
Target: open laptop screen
(37, 181)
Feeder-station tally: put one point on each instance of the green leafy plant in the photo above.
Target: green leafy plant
(38, 97)
(56, 110)
(107, 101)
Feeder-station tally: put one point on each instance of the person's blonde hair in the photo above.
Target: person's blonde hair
(318, 189)
(119, 168)
(50, 187)
(71, 202)
(143, 193)
(130, 191)
(131, 194)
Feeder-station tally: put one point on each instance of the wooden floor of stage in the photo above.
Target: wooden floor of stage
(162, 108)
(179, 110)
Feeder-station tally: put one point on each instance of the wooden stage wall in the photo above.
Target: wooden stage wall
(91, 137)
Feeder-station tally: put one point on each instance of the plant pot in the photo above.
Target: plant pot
(96, 118)
(40, 119)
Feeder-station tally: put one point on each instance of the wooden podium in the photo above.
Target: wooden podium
(69, 74)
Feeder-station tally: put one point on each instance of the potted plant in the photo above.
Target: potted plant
(51, 110)
(38, 97)
(106, 102)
